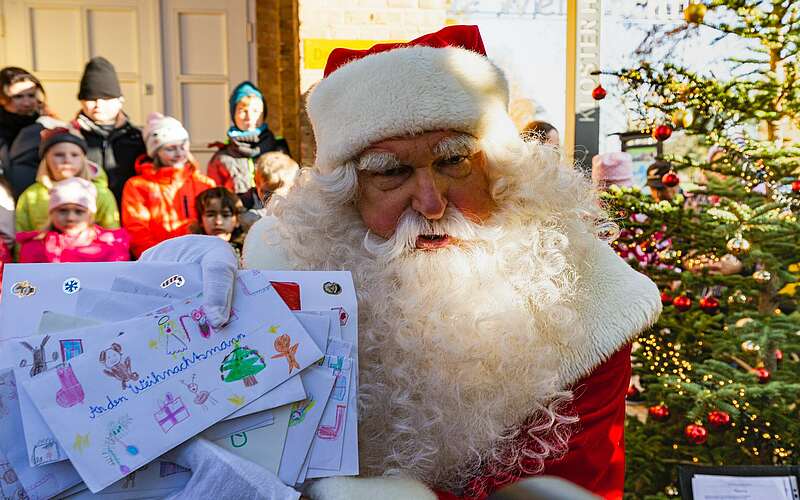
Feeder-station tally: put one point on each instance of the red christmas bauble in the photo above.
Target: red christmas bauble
(778, 355)
(796, 186)
(662, 132)
(599, 93)
(632, 393)
(719, 419)
(682, 303)
(666, 299)
(696, 434)
(659, 412)
(709, 305)
(670, 179)
(763, 375)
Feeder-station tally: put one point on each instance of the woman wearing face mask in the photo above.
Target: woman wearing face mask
(158, 203)
(248, 138)
(71, 235)
(63, 153)
(22, 102)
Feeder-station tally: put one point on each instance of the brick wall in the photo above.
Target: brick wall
(360, 20)
(278, 67)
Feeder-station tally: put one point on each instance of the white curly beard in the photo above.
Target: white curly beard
(457, 345)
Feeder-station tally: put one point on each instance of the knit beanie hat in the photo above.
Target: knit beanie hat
(161, 130)
(241, 91)
(99, 81)
(62, 132)
(75, 191)
(612, 168)
(440, 81)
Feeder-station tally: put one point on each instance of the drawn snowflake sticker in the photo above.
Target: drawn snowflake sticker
(71, 285)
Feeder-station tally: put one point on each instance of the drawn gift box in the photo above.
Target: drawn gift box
(171, 412)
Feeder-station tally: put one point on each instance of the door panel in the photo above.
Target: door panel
(206, 53)
(55, 38)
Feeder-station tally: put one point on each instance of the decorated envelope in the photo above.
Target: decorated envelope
(145, 393)
(31, 289)
(304, 420)
(326, 291)
(37, 355)
(39, 482)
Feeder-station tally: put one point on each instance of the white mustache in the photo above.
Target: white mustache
(412, 225)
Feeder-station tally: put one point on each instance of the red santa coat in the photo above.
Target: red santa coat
(596, 457)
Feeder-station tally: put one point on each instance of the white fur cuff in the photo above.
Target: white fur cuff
(383, 488)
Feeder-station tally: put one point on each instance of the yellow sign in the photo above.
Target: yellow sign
(317, 50)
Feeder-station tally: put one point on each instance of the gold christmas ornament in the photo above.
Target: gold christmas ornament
(694, 13)
(688, 118)
(743, 321)
(738, 245)
(737, 297)
(762, 276)
(750, 346)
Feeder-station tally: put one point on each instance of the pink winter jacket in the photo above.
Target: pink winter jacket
(107, 245)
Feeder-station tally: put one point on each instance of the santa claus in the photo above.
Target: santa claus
(494, 319)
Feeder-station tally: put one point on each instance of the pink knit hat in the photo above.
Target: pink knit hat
(612, 168)
(75, 191)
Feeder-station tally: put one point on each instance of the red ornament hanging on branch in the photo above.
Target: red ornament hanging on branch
(763, 375)
(682, 303)
(599, 93)
(796, 186)
(778, 355)
(633, 393)
(719, 419)
(709, 305)
(662, 132)
(666, 299)
(659, 413)
(696, 434)
(670, 179)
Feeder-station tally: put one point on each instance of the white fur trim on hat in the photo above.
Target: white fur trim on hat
(161, 130)
(385, 488)
(406, 91)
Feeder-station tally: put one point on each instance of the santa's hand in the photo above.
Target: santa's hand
(221, 475)
(385, 488)
(218, 264)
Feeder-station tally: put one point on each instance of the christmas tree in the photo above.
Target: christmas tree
(717, 380)
(242, 364)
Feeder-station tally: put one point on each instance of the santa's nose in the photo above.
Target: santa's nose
(429, 200)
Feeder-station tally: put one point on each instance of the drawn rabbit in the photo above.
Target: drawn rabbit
(39, 363)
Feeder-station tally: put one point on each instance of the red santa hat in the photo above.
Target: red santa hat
(440, 81)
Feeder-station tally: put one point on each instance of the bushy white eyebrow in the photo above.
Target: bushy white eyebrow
(457, 145)
(377, 161)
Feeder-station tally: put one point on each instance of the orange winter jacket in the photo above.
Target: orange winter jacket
(158, 203)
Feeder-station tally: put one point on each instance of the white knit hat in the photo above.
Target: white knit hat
(161, 130)
(390, 91)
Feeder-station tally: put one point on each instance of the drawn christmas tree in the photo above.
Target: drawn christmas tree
(242, 364)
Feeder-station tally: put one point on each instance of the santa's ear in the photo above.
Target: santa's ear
(102, 356)
(117, 347)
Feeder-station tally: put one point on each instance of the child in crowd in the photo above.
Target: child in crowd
(248, 138)
(275, 174)
(158, 203)
(63, 156)
(217, 215)
(71, 235)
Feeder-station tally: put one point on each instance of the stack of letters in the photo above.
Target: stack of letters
(105, 368)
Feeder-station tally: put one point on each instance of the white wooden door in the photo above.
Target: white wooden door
(207, 48)
(55, 38)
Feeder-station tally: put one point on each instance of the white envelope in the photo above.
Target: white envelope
(330, 291)
(31, 289)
